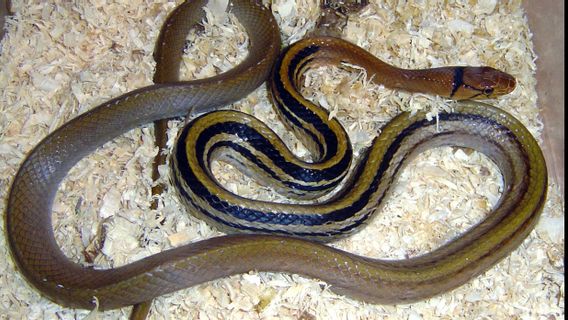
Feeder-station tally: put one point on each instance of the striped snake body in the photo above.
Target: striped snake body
(247, 143)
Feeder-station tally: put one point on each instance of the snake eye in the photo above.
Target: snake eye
(488, 91)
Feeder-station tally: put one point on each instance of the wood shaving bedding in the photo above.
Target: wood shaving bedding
(60, 59)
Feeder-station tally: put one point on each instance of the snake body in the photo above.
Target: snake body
(255, 149)
(471, 124)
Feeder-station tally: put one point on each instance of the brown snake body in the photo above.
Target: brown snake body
(28, 214)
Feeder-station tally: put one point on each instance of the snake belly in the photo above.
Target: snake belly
(471, 124)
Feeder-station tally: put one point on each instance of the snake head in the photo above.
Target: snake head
(484, 83)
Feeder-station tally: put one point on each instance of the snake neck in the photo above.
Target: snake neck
(452, 82)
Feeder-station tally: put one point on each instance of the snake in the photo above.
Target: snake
(280, 237)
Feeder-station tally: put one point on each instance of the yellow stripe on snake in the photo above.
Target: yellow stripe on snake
(287, 237)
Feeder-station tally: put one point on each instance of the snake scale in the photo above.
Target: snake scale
(471, 124)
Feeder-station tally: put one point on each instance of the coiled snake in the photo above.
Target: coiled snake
(246, 143)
